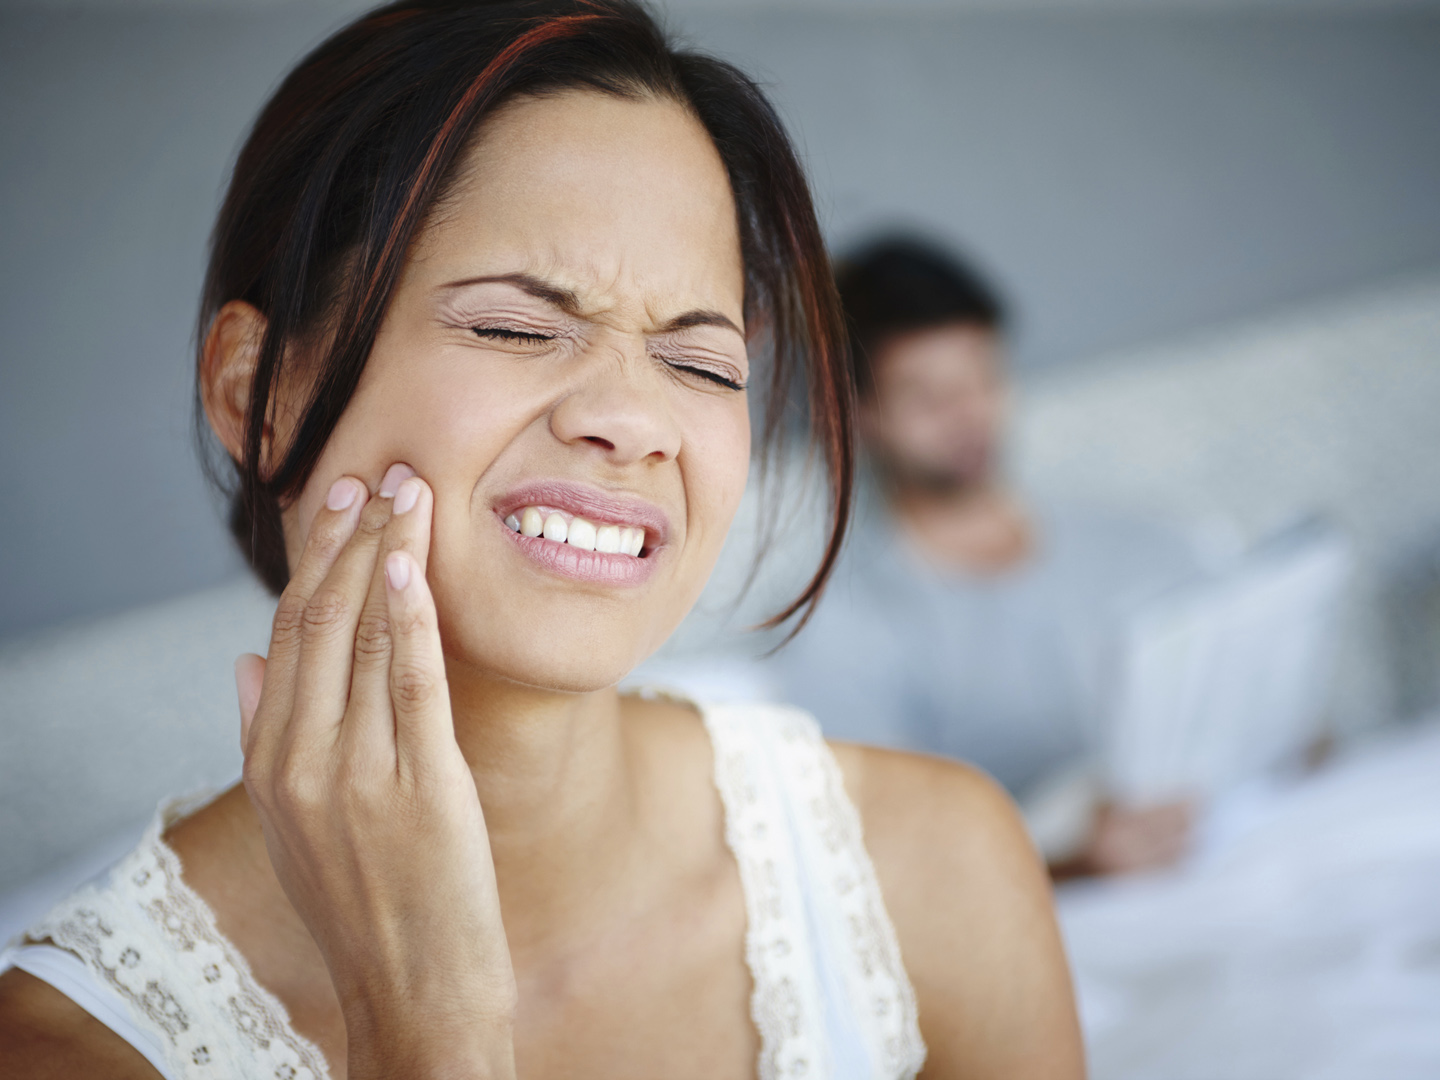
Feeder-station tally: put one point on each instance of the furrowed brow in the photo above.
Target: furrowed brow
(539, 288)
(568, 302)
(700, 318)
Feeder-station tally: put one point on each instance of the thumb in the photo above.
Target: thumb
(249, 680)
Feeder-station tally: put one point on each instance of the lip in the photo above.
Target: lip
(590, 502)
(598, 505)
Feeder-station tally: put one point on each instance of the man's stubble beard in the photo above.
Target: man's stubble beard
(902, 478)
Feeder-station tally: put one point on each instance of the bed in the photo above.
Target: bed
(1301, 941)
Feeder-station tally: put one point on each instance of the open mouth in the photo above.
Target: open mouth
(585, 533)
(561, 527)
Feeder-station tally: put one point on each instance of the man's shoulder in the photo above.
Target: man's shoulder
(1114, 546)
(1085, 519)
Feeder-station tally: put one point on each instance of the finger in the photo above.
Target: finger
(1176, 839)
(371, 715)
(335, 523)
(327, 638)
(249, 680)
(1165, 830)
(1157, 842)
(419, 693)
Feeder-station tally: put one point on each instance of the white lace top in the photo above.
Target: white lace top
(831, 998)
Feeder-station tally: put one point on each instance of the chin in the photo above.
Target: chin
(521, 621)
(574, 653)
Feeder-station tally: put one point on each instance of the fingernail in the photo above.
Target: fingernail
(246, 689)
(396, 475)
(407, 496)
(397, 570)
(342, 494)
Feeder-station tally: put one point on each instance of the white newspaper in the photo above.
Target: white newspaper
(1223, 678)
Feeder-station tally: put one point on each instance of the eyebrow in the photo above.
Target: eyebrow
(566, 300)
(702, 318)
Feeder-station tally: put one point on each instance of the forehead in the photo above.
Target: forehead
(956, 351)
(625, 202)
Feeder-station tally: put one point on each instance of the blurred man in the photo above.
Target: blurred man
(967, 620)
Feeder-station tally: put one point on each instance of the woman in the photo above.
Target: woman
(477, 335)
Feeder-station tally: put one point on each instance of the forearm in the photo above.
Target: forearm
(417, 1044)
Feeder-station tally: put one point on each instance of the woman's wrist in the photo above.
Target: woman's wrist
(393, 1064)
(413, 1044)
(449, 1032)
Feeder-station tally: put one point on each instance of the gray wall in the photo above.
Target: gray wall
(117, 131)
(1127, 176)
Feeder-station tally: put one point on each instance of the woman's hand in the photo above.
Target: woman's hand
(369, 810)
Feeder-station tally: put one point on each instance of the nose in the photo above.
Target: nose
(621, 410)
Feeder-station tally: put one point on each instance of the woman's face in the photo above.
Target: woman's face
(564, 352)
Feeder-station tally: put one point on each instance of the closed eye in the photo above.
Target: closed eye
(711, 375)
(502, 333)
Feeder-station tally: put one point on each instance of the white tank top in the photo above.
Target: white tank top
(139, 950)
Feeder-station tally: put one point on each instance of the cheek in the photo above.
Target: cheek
(899, 422)
(455, 424)
(715, 471)
(439, 415)
(717, 468)
(444, 415)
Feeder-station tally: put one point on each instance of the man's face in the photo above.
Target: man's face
(939, 405)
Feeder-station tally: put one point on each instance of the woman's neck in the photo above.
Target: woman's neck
(558, 788)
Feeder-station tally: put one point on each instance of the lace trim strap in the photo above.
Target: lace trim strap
(146, 934)
(797, 838)
(881, 990)
(785, 1002)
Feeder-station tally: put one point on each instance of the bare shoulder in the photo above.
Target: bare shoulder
(46, 1036)
(973, 911)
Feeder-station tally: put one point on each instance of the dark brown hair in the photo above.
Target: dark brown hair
(896, 284)
(359, 142)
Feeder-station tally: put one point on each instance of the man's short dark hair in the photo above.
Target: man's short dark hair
(894, 285)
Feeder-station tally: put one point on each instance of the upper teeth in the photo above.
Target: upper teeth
(578, 531)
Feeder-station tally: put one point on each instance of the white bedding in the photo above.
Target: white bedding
(1303, 942)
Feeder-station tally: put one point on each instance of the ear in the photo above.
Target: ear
(227, 372)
